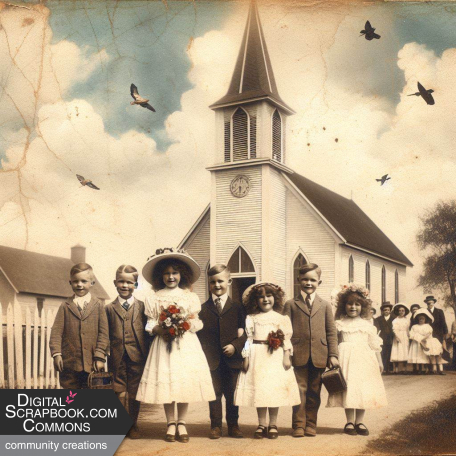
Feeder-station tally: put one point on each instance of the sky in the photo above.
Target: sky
(66, 69)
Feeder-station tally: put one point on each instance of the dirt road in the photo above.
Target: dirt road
(405, 394)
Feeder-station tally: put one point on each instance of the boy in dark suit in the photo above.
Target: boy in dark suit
(314, 343)
(384, 324)
(439, 326)
(223, 338)
(129, 342)
(79, 336)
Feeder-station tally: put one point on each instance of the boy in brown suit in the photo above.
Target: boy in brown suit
(79, 336)
(314, 347)
(129, 342)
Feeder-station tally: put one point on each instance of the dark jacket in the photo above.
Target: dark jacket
(439, 326)
(221, 330)
(315, 334)
(119, 321)
(80, 339)
(385, 328)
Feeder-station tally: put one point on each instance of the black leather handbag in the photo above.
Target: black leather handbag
(334, 381)
(100, 380)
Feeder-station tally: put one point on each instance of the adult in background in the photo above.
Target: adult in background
(439, 326)
(384, 324)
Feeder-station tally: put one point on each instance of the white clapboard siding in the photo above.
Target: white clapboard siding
(25, 358)
(238, 220)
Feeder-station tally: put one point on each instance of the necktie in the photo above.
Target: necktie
(82, 308)
(218, 303)
(309, 305)
(125, 305)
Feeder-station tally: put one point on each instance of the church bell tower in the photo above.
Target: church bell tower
(248, 220)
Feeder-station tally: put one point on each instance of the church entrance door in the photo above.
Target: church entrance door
(239, 285)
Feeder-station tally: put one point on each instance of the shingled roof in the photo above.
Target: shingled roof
(348, 219)
(253, 78)
(36, 273)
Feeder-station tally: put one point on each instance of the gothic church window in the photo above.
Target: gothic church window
(297, 265)
(368, 275)
(277, 136)
(240, 135)
(396, 287)
(383, 284)
(240, 262)
(351, 269)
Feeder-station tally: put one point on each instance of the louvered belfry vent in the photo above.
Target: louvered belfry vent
(276, 136)
(227, 150)
(253, 127)
(240, 135)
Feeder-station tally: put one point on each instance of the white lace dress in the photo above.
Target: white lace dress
(400, 348)
(358, 342)
(266, 383)
(422, 334)
(182, 375)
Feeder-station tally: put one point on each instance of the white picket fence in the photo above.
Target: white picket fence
(25, 358)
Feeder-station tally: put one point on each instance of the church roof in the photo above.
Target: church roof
(31, 272)
(253, 78)
(348, 219)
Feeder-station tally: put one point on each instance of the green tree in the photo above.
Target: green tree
(437, 238)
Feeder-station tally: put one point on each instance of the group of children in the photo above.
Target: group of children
(412, 339)
(261, 353)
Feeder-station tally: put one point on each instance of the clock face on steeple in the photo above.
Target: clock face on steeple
(240, 186)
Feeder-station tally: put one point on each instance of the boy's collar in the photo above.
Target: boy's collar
(82, 299)
(130, 300)
(224, 297)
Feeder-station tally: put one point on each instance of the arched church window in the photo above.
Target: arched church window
(383, 284)
(298, 263)
(277, 136)
(351, 269)
(368, 275)
(227, 135)
(396, 286)
(240, 135)
(240, 262)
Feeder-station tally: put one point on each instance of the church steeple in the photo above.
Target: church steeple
(253, 78)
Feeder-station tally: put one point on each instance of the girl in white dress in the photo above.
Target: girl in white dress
(424, 348)
(177, 372)
(267, 381)
(399, 351)
(359, 358)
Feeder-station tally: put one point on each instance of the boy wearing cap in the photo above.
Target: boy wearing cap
(222, 339)
(314, 347)
(384, 324)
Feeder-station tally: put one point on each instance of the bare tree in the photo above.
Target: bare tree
(437, 238)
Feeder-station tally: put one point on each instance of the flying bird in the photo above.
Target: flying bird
(369, 32)
(86, 182)
(383, 179)
(425, 93)
(138, 99)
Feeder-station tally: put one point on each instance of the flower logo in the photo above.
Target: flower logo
(70, 398)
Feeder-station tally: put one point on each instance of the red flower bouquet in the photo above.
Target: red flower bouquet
(175, 320)
(275, 340)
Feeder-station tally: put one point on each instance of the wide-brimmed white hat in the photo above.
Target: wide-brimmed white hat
(248, 290)
(170, 253)
(398, 306)
(423, 312)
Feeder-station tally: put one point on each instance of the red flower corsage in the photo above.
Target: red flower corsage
(275, 340)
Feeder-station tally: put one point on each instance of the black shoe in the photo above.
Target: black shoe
(360, 431)
(260, 432)
(441, 373)
(350, 430)
(275, 434)
(171, 437)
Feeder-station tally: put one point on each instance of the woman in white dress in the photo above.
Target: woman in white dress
(399, 351)
(359, 358)
(176, 370)
(267, 381)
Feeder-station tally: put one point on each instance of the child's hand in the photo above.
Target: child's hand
(229, 350)
(245, 364)
(240, 332)
(58, 363)
(159, 331)
(286, 362)
(98, 366)
(380, 366)
(333, 362)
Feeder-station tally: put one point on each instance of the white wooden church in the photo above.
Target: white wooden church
(264, 220)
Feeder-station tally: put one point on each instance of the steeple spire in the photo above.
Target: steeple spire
(253, 78)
